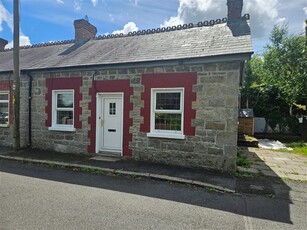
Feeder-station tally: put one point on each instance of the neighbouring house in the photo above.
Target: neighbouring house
(167, 95)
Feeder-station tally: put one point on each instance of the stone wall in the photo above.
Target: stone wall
(213, 146)
(215, 142)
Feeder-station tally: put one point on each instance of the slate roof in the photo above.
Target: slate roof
(197, 42)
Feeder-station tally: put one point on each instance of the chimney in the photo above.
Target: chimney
(234, 9)
(84, 30)
(3, 43)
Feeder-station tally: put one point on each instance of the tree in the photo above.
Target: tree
(254, 72)
(275, 81)
(285, 64)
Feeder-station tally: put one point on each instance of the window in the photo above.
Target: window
(4, 108)
(62, 110)
(167, 113)
(175, 82)
(112, 109)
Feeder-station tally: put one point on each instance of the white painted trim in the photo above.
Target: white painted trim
(62, 129)
(99, 106)
(4, 92)
(166, 133)
(57, 127)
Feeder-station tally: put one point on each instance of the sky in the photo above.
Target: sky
(52, 20)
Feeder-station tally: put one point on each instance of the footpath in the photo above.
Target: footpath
(259, 183)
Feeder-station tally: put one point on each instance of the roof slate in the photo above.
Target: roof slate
(197, 42)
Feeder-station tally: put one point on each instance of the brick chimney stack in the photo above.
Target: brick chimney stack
(234, 9)
(3, 43)
(84, 30)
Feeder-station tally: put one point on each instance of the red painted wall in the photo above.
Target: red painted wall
(61, 84)
(170, 80)
(110, 86)
(8, 86)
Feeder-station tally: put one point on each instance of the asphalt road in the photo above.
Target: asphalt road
(34, 197)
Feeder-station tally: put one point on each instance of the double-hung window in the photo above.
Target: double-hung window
(4, 108)
(167, 113)
(62, 110)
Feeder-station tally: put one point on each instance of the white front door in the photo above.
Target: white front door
(110, 122)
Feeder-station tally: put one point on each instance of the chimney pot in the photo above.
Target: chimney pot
(3, 43)
(234, 9)
(84, 30)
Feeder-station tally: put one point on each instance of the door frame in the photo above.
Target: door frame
(99, 105)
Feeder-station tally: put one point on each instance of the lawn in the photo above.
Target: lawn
(298, 148)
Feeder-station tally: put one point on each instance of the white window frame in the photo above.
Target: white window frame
(8, 105)
(54, 125)
(172, 134)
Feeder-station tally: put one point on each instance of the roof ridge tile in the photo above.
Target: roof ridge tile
(206, 23)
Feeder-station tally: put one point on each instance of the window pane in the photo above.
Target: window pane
(4, 113)
(165, 121)
(65, 117)
(168, 101)
(65, 100)
(4, 96)
(112, 108)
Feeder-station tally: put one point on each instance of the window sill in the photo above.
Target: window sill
(4, 125)
(62, 129)
(166, 135)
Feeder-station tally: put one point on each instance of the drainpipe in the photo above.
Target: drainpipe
(30, 110)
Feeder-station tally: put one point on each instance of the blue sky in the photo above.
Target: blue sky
(52, 20)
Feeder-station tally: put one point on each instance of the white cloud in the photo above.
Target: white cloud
(263, 13)
(111, 17)
(129, 27)
(60, 1)
(77, 5)
(135, 2)
(305, 10)
(281, 21)
(23, 41)
(6, 17)
(195, 11)
(94, 2)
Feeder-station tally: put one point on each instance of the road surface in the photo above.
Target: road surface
(34, 197)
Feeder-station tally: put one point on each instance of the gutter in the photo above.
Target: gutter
(148, 63)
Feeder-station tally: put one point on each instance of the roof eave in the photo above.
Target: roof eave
(151, 63)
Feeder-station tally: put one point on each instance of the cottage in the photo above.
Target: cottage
(167, 95)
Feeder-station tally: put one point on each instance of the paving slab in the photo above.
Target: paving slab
(277, 164)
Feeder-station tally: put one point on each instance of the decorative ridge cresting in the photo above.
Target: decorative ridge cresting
(140, 32)
(44, 44)
(169, 28)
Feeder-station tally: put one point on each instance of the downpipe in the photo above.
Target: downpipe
(30, 111)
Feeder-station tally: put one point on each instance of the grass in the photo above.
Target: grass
(242, 161)
(298, 148)
(244, 174)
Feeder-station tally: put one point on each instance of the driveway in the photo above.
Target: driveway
(275, 164)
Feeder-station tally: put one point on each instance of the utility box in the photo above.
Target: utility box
(246, 122)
